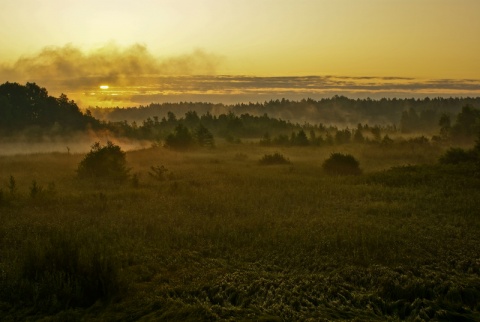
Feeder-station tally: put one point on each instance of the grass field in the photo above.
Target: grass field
(224, 238)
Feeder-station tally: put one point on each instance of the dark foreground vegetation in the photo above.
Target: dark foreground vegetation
(306, 222)
(214, 235)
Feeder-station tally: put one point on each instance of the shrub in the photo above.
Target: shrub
(159, 173)
(276, 158)
(135, 180)
(12, 186)
(341, 164)
(104, 162)
(35, 189)
(458, 155)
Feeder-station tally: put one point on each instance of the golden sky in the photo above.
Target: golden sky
(427, 39)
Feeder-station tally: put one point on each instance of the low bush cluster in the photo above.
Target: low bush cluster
(104, 162)
(458, 155)
(341, 164)
(276, 158)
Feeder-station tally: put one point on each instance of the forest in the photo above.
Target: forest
(338, 209)
(30, 111)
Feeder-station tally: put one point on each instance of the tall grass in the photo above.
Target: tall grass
(224, 238)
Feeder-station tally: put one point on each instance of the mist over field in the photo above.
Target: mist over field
(76, 145)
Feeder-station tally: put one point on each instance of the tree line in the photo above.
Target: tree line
(28, 109)
(409, 114)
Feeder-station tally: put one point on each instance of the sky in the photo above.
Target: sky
(140, 48)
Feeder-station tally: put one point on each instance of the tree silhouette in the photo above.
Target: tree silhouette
(104, 162)
(467, 125)
(203, 136)
(358, 135)
(29, 106)
(445, 126)
(181, 138)
(301, 139)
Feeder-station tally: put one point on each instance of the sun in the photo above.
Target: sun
(104, 86)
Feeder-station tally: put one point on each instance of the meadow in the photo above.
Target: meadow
(217, 236)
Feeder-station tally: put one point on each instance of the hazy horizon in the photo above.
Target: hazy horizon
(130, 76)
(234, 89)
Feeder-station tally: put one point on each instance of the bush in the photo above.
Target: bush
(104, 162)
(12, 186)
(276, 158)
(159, 173)
(458, 155)
(35, 189)
(341, 164)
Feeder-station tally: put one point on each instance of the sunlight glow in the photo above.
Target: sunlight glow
(103, 86)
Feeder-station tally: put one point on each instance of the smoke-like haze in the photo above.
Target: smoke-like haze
(109, 61)
(73, 68)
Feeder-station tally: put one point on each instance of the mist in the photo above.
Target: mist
(78, 144)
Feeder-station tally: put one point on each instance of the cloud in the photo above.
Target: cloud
(70, 66)
(235, 89)
(198, 62)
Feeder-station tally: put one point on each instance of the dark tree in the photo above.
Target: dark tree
(445, 126)
(409, 121)
(266, 139)
(300, 139)
(467, 125)
(171, 117)
(203, 136)
(343, 136)
(30, 106)
(191, 119)
(181, 138)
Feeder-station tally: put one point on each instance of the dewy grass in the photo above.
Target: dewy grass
(232, 240)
